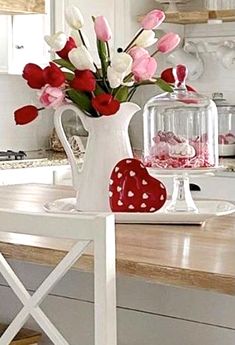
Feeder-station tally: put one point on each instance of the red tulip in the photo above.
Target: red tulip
(34, 76)
(167, 76)
(53, 75)
(190, 88)
(84, 81)
(25, 114)
(105, 104)
(70, 44)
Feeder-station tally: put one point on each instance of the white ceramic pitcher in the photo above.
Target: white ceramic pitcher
(107, 144)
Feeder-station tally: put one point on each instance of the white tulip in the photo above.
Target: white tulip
(146, 39)
(74, 17)
(121, 63)
(77, 38)
(115, 78)
(56, 41)
(81, 59)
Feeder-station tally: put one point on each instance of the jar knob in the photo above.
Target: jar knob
(180, 73)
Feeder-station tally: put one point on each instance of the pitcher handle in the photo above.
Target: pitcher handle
(61, 134)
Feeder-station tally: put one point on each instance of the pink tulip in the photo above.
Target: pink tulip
(144, 68)
(138, 52)
(52, 97)
(168, 42)
(152, 20)
(102, 29)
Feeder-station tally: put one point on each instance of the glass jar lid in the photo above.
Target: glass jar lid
(220, 101)
(180, 97)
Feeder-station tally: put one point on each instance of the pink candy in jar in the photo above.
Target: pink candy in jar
(227, 139)
(173, 151)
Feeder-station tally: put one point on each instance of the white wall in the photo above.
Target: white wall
(14, 94)
(216, 78)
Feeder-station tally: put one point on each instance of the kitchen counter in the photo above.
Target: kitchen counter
(41, 158)
(188, 256)
(47, 158)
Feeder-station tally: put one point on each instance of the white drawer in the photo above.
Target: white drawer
(62, 176)
(26, 175)
(211, 187)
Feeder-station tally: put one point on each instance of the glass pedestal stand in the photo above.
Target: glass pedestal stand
(182, 200)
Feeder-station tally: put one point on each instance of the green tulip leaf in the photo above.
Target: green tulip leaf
(103, 55)
(164, 85)
(122, 94)
(99, 89)
(81, 99)
(69, 76)
(65, 64)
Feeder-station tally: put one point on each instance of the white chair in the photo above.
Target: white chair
(82, 229)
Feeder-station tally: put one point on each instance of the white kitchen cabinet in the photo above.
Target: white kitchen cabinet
(5, 31)
(22, 40)
(27, 175)
(210, 187)
(62, 176)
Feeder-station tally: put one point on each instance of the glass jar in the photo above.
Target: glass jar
(226, 121)
(180, 129)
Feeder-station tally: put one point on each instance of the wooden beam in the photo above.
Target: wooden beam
(22, 6)
(197, 17)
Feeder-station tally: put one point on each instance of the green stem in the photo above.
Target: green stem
(97, 113)
(83, 42)
(154, 53)
(82, 38)
(108, 51)
(128, 77)
(133, 40)
(131, 94)
(97, 70)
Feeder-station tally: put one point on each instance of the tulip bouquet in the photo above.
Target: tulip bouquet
(97, 90)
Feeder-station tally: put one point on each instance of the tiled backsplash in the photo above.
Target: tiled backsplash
(14, 94)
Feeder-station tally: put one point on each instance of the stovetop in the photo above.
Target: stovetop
(10, 155)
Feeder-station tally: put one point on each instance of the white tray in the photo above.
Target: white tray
(207, 209)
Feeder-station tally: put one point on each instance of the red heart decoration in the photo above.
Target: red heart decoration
(132, 189)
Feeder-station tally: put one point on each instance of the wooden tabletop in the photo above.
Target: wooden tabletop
(189, 256)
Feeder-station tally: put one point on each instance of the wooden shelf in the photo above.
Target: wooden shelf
(22, 6)
(198, 17)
